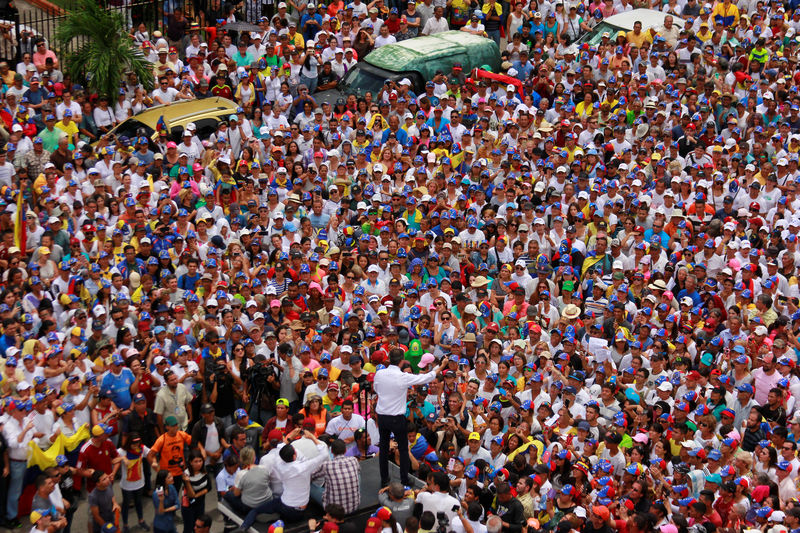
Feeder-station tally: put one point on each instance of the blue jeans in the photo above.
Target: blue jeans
(311, 83)
(317, 491)
(17, 469)
(494, 35)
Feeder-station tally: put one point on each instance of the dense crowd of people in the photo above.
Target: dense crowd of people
(563, 296)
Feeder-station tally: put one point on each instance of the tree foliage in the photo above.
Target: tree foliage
(104, 51)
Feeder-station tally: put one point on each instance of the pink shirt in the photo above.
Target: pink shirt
(39, 59)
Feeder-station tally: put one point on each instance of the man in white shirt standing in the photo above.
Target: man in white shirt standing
(391, 385)
(384, 37)
(437, 23)
(345, 425)
(18, 431)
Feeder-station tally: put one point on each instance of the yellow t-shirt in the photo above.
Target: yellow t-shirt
(70, 129)
(636, 39)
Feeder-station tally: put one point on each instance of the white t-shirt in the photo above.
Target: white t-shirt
(212, 443)
(132, 473)
(167, 96)
(380, 40)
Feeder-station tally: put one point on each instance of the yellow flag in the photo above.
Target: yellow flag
(20, 240)
(47, 458)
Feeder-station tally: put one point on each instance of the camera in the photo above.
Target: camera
(259, 373)
(217, 368)
(443, 523)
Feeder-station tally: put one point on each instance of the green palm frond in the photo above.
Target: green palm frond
(105, 51)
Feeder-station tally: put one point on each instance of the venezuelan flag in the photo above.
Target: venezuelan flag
(47, 458)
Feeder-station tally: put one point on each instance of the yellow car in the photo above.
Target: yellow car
(206, 114)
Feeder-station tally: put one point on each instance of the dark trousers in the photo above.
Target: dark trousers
(249, 514)
(275, 505)
(396, 425)
(134, 496)
(190, 513)
(147, 469)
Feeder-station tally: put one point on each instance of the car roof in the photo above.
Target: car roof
(420, 51)
(648, 17)
(183, 111)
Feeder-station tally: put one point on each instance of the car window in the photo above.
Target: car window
(417, 82)
(361, 80)
(133, 128)
(596, 35)
(206, 126)
(176, 134)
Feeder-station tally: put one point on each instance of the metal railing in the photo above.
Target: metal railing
(21, 28)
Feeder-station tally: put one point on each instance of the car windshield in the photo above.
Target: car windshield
(364, 78)
(133, 128)
(597, 32)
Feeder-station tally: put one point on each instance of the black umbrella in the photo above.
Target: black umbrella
(240, 26)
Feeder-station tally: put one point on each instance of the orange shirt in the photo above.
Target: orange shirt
(171, 451)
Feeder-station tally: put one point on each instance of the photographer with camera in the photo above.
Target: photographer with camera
(263, 384)
(218, 389)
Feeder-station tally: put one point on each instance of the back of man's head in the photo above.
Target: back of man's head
(335, 511)
(338, 447)
(441, 481)
(474, 511)
(427, 520)
(494, 524)
(396, 356)
(396, 490)
(287, 453)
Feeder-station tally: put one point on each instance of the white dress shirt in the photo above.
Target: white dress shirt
(296, 477)
(17, 451)
(391, 384)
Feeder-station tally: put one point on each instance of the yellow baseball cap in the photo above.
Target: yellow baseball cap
(474, 436)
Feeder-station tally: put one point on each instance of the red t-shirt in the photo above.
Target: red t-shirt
(96, 458)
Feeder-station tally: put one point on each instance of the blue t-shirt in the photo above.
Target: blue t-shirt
(319, 222)
(120, 387)
(187, 282)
